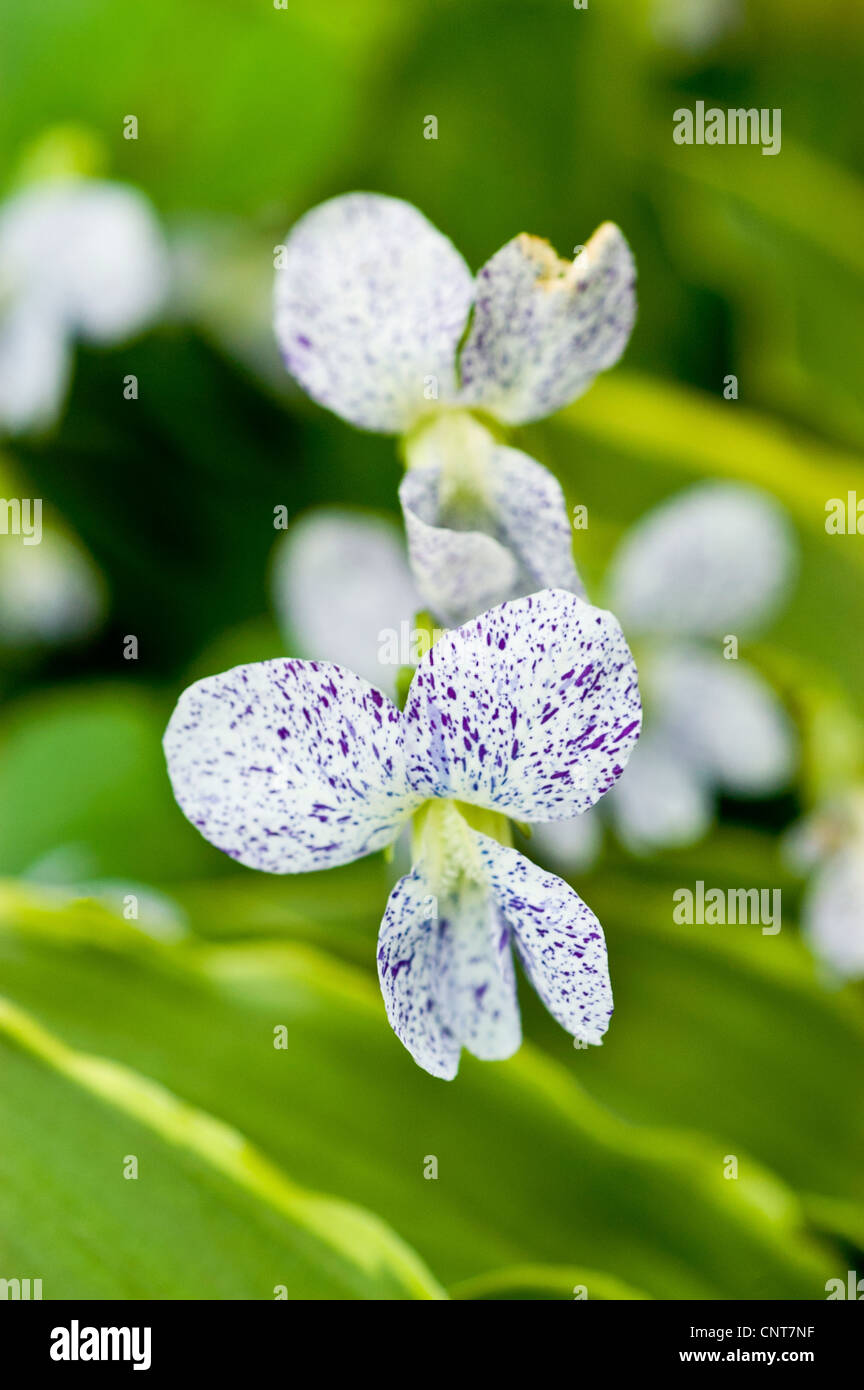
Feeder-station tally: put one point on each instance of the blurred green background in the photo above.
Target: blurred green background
(560, 1168)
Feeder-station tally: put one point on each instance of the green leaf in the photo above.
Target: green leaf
(545, 1282)
(792, 266)
(310, 76)
(200, 1187)
(68, 760)
(725, 1029)
(343, 1107)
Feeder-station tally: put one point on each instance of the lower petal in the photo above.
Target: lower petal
(446, 974)
(459, 573)
(512, 540)
(558, 938)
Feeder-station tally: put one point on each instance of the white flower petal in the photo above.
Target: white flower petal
(341, 585)
(446, 973)
(724, 718)
(51, 592)
(571, 846)
(715, 559)
(370, 305)
(289, 766)
(532, 518)
(543, 328)
(531, 709)
(458, 573)
(558, 939)
(661, 802)
(34, 366)
(833, 912)
(90, 253)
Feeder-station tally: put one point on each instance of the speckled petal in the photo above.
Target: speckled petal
(524, 544)
(715, 559)
(342, 588)
(531, 709)
(458, 573)
(662, 801)
(558, 939)
(833, 912)
(446, 972)
(289, 765)
(723, 718)
(543, 327)
(371, 302)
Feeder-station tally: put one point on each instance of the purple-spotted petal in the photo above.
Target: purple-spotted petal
(558, 939)
(289, 766)
(515, 539)
(446, 973)
(342, 588)
(543, 327)
(714, 559)
(531, 709)
(458, 573)
(371, 302)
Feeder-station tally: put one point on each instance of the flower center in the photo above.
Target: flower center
(443, 841)
(460, 447)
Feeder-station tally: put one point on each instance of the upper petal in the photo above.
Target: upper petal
(446, 973)
(342, 587)
(543, 327)
(531, 709)
(289, 765)
(715, 559)
(371, 302)
(515, 539)
(558, 939)
(723, 718)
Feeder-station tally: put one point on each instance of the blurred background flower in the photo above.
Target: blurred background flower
(693, 577)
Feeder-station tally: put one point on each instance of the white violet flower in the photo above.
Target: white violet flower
(380, 319)
(529, 711)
